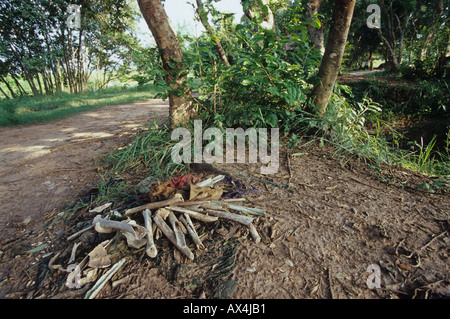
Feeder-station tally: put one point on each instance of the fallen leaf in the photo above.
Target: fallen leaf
(404, 266)
(205, 193)
(289, 262)
(290, 239)
(99, 258)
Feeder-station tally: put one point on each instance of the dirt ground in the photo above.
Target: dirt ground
(327, 222)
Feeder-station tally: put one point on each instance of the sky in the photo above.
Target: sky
(181, 13)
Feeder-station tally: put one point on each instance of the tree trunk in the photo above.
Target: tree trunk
(316, 35)
(9, 87)
(181, 108)
(18, 85)
(203, 15)
(334, 52)
(4, 93)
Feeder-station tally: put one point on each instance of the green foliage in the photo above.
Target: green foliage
(267, 83)
(425, 99)
(147, 61)
(37, 46)
(150, 151)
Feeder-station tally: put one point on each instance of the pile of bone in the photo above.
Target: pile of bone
(172, 217)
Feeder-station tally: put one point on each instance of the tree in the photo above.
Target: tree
(36, 44)
(181, 107)
(396, 18)
(316, 33)
(203, 16)
(334, 52)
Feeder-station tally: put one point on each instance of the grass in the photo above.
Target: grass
(150, 150)
(39, 109)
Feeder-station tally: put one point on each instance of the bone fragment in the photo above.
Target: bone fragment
(245, 220)
(254, 233)
(74, 235)
(151, 247)
(139, 239)
(74, 252)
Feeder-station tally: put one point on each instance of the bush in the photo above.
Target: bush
(267, 84)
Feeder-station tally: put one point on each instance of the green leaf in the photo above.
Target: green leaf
(272, 120)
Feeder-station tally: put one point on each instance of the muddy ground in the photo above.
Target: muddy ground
(327, 221)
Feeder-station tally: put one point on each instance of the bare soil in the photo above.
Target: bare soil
(327, 221)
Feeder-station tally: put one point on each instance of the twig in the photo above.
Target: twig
(70, 293)
(288, 157)
(432, 239)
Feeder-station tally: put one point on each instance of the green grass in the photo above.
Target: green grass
(150, 151)
(39, 109)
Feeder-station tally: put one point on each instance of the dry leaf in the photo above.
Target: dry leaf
(99, 258)
(404, 266)
(162, 191)
(205, 193)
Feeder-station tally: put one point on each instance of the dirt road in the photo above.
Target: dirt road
(43, 167)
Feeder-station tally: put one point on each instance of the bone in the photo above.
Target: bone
(193, 214)
(187, 222)
(254, 233)
(245, 220)
(177, 229)
(151, 248)
(78, 233)
(94, 291)
(74, 252)
(105, 226)
(139, 239)
(176, 199)
(170, 235)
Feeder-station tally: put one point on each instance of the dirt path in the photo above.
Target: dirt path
(44, 167)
